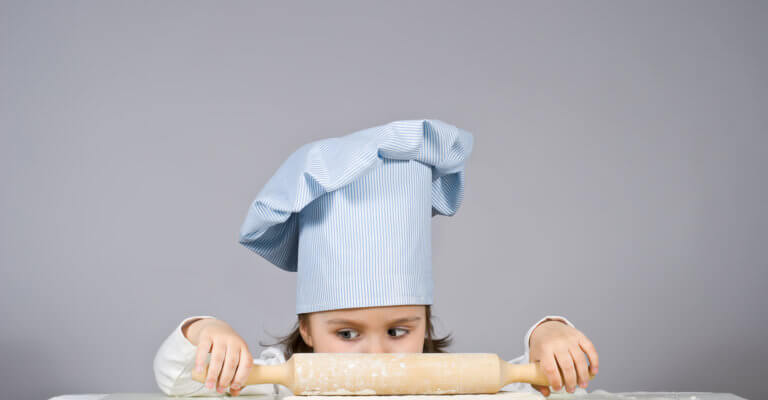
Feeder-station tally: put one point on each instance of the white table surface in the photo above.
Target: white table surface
(580, 394)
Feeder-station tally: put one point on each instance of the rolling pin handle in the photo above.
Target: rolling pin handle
(531, 373)
(259, 374)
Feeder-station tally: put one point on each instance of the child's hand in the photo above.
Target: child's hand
(229, 355)
(554, 343)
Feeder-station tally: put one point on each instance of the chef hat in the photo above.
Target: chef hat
(352, 214)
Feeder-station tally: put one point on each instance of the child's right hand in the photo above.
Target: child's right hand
(230, 359)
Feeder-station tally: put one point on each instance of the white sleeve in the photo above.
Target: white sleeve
(175, 360)
(524, 359)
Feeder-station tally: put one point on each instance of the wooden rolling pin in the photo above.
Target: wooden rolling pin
(393, 373)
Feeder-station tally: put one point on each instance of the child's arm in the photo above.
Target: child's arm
(174, 361)
(560, 349)
(176, 357)
(524, 359)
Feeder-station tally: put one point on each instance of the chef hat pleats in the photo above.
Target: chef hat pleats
(352, 214)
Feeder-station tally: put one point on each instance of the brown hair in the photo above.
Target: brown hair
(294, 343)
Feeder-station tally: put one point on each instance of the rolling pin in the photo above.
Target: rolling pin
(330, 374)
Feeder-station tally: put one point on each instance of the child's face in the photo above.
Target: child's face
(391, 329)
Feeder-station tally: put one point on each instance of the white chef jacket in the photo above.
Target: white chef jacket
(175, 361)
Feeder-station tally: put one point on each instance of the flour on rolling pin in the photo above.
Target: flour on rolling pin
(386, 374)
(319, 374)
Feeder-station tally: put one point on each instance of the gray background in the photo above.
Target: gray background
(618, 177)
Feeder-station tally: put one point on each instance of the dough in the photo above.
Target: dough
(580, 394)
(495, 396)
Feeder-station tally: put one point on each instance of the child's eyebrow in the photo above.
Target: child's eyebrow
(350, 322)
(341, 322)
(401, 320)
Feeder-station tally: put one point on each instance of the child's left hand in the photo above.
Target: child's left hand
(553, 344)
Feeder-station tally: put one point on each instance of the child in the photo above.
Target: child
(351, 216)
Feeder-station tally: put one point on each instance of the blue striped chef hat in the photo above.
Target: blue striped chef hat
(352, 214)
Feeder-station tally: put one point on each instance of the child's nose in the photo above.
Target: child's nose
(375, 346)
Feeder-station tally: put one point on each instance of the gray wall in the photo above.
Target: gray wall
(618, 178)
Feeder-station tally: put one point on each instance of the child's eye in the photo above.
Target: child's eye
(348, 333)
(393, 332)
